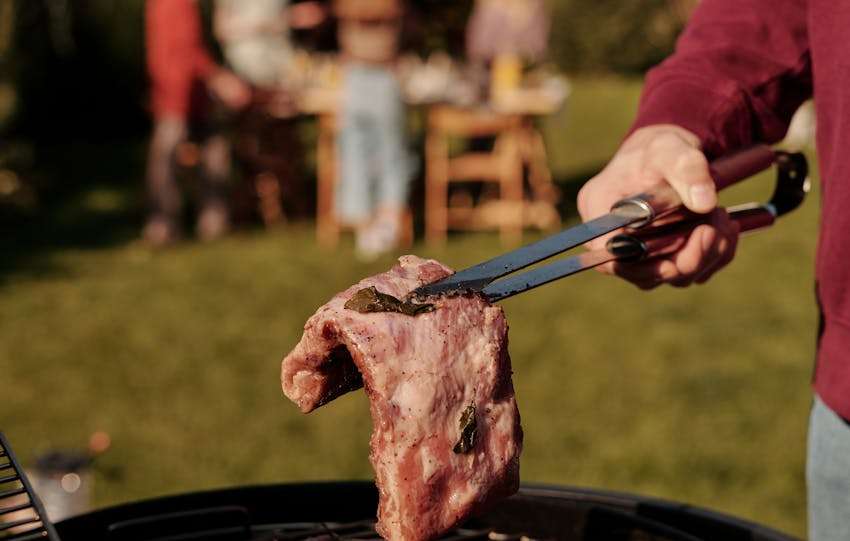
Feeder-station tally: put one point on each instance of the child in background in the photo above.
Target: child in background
(374, 166)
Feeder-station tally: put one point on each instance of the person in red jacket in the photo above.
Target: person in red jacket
(740, 70)
(183, 76)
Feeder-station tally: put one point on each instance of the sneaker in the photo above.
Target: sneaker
(366, 246)
(160, 231)
(387, 228)
(213, 222)
(380, 236)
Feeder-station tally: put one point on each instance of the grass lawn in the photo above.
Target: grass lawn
(699, 395)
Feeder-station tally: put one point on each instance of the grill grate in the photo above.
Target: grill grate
(364, 530)
(22, 517)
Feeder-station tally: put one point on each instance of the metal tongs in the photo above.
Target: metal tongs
(653, 221)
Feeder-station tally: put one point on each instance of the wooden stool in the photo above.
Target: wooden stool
(328, 228)
(517, 145)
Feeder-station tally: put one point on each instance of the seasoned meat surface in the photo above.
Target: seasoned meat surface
(446, 438)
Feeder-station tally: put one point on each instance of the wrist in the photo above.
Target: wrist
(646, 133)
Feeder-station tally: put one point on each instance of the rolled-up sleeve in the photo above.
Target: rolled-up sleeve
(740, 70)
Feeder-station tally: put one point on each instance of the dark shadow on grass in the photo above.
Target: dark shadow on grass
(89, 198)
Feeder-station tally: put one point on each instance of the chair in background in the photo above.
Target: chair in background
(518, 147)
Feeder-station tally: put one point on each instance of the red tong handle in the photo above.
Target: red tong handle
(792, 185)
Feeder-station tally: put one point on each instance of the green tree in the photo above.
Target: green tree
(612, 35)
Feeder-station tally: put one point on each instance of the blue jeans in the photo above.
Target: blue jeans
(374, 165)
(828, 475)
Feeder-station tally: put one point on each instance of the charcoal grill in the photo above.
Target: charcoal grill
(346, 510)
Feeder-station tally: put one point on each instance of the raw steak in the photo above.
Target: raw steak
(446, 438)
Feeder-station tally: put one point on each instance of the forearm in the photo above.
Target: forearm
(740, 70)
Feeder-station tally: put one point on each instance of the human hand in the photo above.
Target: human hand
(232, 91)
(650, 157)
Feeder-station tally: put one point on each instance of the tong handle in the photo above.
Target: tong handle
(792, 185)
(725, 171)
(658, 241)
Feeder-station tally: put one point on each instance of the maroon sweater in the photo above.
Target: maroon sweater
(740, 70)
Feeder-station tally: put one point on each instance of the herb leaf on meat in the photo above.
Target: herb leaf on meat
(468, 430)
(370, 300)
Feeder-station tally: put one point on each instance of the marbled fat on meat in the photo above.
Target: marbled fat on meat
(420, 373)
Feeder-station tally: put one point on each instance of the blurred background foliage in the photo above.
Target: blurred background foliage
(72, 75)
(615, 36)
(72, 65)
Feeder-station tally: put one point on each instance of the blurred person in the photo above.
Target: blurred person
(183, 77)
(502, 35)
(255, 39)
(739, 72)
(375, 169)
(255, 36)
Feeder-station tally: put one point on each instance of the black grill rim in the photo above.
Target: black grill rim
(307, 500)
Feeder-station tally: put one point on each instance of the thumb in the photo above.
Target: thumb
(688, 173)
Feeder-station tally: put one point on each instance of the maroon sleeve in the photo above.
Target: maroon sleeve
(740, 70)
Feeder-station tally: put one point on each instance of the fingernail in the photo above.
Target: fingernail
(702, 197)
